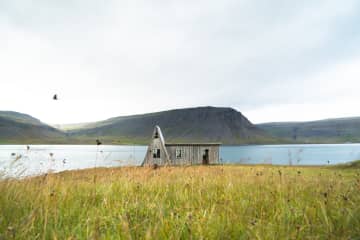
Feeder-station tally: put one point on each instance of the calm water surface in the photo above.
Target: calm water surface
(17, 160)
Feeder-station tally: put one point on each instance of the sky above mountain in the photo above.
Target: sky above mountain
(271, 60)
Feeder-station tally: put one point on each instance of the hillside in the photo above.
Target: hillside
(21, 128)
(323, 131)
(203, 124)
(20, 117)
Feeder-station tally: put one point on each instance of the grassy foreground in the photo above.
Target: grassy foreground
(214, 202)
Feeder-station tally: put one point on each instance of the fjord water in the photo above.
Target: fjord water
(19, 161)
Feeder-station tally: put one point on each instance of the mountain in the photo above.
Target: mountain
(338, 130)
(20, 117)
(22, 128)
(203, 124)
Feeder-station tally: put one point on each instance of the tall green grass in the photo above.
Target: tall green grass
(198, 202)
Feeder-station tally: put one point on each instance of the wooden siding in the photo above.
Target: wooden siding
(192, 154)
(157, 142)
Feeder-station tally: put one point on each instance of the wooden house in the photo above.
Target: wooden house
(161, 153)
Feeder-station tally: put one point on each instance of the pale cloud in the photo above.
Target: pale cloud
(327, 94)
(124, 57)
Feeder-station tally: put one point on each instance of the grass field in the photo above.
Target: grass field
(198, 202)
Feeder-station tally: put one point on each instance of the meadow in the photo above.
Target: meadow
(195, 202)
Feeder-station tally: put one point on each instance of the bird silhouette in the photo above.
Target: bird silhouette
(98, 142)
(55, 97)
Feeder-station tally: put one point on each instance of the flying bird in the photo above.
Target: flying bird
(55, 97)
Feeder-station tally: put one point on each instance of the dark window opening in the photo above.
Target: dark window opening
(156, 153)
(179, 153)
(156, 135)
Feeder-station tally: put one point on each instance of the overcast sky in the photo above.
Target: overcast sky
(272, 60)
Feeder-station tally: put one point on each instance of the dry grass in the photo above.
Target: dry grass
(215, 202)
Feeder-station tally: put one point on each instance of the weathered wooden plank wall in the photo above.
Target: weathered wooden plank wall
(193, 154)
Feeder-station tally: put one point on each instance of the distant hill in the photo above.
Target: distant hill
(203, 124)
(20, 117)
(21, 128)
(338, 130)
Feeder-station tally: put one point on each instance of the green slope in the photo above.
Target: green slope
(339, 130)
(20, 117)
(21, 128)
(204, 124)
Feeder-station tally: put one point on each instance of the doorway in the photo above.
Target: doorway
(205, 160)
